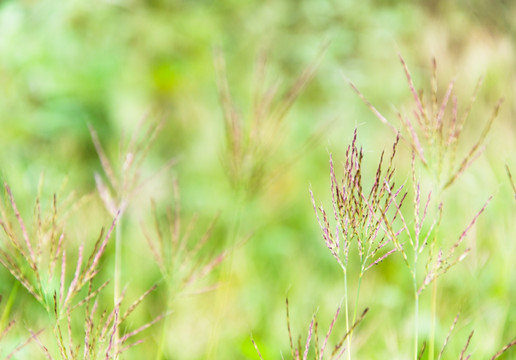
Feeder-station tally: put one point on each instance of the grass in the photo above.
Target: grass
(180, 234)
(376, 223)
(369, 222)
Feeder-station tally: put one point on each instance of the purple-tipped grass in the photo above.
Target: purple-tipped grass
(33, 256)
(434, 129)
(180, 256)
(463, 352)
(183, 258)
(361, 217)
(369, 221)
(124, 184)
(253, 138)
(37, 257)
(448, 336)
(423, 243)
(100, 329)
(301, 350)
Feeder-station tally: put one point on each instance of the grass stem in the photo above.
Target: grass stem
(118, 279)
(165, 325)
(433, 309)
(221, 299)
(346, 308)
(416, 324)
(4, 320)
(356, 305)
(416, 305)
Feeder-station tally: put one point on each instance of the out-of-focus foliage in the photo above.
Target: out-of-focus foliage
(109, 63)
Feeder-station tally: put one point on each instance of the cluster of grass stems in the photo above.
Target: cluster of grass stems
(369, 221)
(71, 293)
(378, 222)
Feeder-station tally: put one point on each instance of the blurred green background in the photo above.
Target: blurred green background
(67, 64)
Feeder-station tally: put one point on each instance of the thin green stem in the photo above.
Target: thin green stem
(416, 306)
(346, 308)
(416, 324)
(118, 278)
(433, 305)
(164, 327)
(222, 294)
(356, 303)
(431, 342)
(357, 296)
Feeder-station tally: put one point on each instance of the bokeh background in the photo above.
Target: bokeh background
(67, 64)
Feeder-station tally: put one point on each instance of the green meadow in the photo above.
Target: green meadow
(257, 179)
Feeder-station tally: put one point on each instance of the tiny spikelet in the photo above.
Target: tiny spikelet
(136, 303)
(308, 340)
(289, 329)
(330, 329)
(504, 349)
(448, 336)
(256, 348)
(463, 352)
(32, 257)
(339, 346)
(513, 184)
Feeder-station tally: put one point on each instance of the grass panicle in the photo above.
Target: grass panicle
(302, 349)
(181, 258)
(123, 185)
(184, 259)
(361, 217)
(33, 255)
(68, 293)
(100, 330)
(418, 242)
(434, 129)
(37, 258)
(253, 139)
(358, 213)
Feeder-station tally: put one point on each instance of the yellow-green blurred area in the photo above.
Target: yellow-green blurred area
(66, 65)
